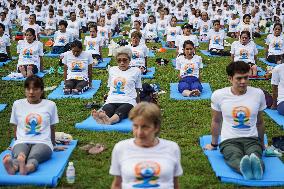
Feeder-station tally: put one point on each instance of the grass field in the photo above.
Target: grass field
(183, 121)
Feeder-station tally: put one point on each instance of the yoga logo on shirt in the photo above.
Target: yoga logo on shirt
(277, 45)
(135, 54)
(243, 54)
(241, 116)
(216, 40)
(188, 69)
(205, 28)
(91, 45)
(33, 124)
(28, 53)
(76, 66)
(147, 173)
(103, 33)
(62, 40)
(119, 84)
(173, 33)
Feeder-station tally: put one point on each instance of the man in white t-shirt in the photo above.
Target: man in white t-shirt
(277, 82)
(237, 111)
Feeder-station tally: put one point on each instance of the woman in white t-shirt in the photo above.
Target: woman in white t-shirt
(77, 69)
(233, 22)
(189, 66)
(74, 26)
(146, 161)
(124, 83)
(205, 26)
(30, 54)
(275, 45)
(245, 50)
(172, 31)
(162, 23)
(32, 24)
(151, 30)
(5, 44)
(104, 32)
(34, 120)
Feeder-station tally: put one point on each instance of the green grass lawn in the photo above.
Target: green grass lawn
(183, 122)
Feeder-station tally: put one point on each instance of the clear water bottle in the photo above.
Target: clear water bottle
(70, 173)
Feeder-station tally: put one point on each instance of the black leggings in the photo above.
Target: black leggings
(80, 85)
(121, 109)
(275, 58)
(219, 52)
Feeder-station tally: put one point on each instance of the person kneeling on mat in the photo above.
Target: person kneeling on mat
(77, 69)
(189, 66)
(124, 83)
(238, 111)
(34, 120)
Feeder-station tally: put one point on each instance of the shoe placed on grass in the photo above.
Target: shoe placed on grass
(272, 152)
(278, 143)
(51, 70)
(256, 167)
(60, 70)
(93, 105)
(245, 168)
(98, 148)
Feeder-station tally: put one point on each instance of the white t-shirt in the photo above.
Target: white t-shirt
(182, 38)
(61, 39)
(151, 31)
(173, 32)
(162, 24)
(239, 113)
(216, 39)
(29, 53)
(92, 16)
(123, 85)
(139, 53)
(33, 121)
(139, 18)
(278, 79)
(50, 23)
(103, 32)
(136, 164)
(77, 67)
(8, 25)
(111, 23)
(205, 27)
(74, 27)
(93, 44)
(246, 27)
(189, 67)
(36, 27)
(276, 44)
(4, 43)
(233, 24)
(244, 53)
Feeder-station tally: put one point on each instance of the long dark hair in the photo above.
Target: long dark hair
(37, 83)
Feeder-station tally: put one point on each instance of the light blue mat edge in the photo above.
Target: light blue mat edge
(275, 116)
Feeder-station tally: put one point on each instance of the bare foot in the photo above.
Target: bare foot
(99, 118)
(75, 91)
(196, 92)
(67, 91)
(187, 93)
(95, 115)
(8, 164)
(22, 163)
(23, 71)
(105, 118)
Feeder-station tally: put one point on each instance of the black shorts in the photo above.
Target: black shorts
(121, 109)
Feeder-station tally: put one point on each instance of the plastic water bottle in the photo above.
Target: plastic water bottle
(70, 173)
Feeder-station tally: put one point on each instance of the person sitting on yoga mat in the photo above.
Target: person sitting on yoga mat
(139, 52)
(189, 66)
(124, 83)
(77, 69)
(187, 35)
(205, 26)
(74, 26)
(62, 39)
(94, 44)
(30, 54)
(233, 23)
(137, 27)
(104, 32)
(5, 44)
(245, 50)
(34, 120)
(151, 30)
(238, 112)
(146, 161)
(172, 31)
(277, 82)
(275, 45)
(246, 25)
(32, 24)
(216, 40)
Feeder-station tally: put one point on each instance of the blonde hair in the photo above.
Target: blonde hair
(123, 50)
(149, 111)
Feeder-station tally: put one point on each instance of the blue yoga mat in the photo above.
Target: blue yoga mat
(164, 46)
(207, 53)
(123, 126)
(151, 54)
(103, 64)
(259, 47)
(49, 54)
(273, 174)
(58, 92)
(46, 36)
(116, 36)
(267, 63)
(2, 107)
(47, 174)
(6, 78)
(174, 93)
(203, 41)
(150, 73)
(275, 116)
(5, 63)
(181, 22)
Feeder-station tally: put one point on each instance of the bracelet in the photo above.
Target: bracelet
(214, 145)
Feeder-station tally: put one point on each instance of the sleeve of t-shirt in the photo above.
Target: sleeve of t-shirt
(85, 41)
(255, 49)
(262, 105)
(115, 165)
(19, 47)
(138, 82)
(40, 45)
(200, 62)
(8, 42)
(109, 78)
(275, 79)
(215, 104)
(13, 118)
(178, 168)
(233, 48)
(267, 41)
(178, 64)
(64, 60)
(54, 116)
(196, 43)
(177, 42)
(90, 59)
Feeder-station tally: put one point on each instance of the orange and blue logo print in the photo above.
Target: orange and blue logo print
(28, 53)
(217, 39)
(119, 84)
(62, 40)
(241, 115)
(33, 124)
(188, 69)
(147, 173)
(77, 66)
(243, 54)
(91, 45)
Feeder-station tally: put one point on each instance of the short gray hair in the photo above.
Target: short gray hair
(123, 50)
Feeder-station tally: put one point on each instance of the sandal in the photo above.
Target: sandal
(93, 105)
(98, 148)
(86, 147)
